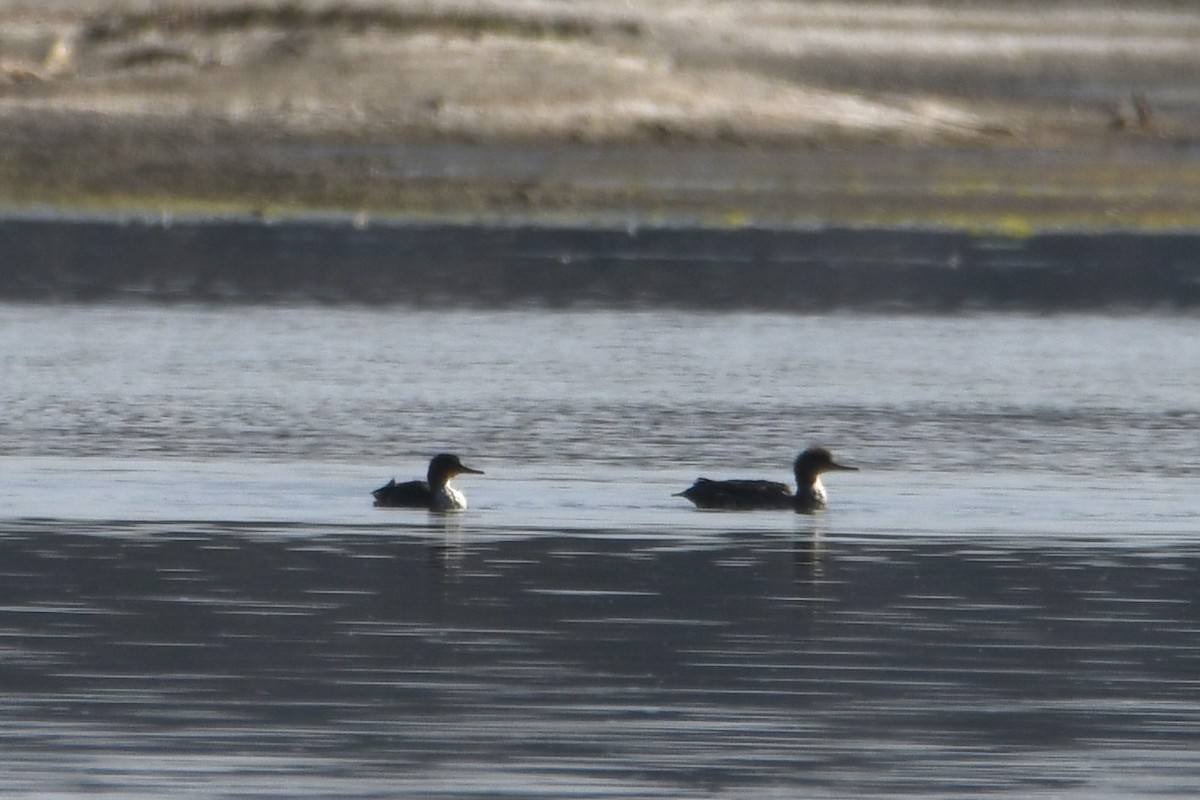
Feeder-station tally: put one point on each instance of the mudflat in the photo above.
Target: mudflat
(1009, 115)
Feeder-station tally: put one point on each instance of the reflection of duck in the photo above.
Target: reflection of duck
(807, 558)
(743, 495)
(435, 493)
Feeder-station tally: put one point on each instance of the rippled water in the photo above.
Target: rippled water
(197, 599)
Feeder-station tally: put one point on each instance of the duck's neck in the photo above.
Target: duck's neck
(447, 498)
(810, 493)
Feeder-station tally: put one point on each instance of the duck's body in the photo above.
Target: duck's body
(747, 495)
(434, 493)
(740, 494)
(414, 494)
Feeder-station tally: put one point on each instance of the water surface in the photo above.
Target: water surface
(197, 598)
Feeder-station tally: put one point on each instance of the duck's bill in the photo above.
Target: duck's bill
(842, 467)
(470, 471)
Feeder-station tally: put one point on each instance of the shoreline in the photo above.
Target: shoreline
(1151, 188)
(866, 113)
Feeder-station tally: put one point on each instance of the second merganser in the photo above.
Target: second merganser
(745, 495)
(435, 493)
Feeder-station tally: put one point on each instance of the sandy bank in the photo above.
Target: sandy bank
(928, 114)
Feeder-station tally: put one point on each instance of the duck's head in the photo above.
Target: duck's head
(445, 466)
(815, 460)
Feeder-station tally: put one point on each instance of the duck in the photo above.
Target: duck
(434, 493)
(747, 495)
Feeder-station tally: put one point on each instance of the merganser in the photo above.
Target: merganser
(435, 493)
(743, 495)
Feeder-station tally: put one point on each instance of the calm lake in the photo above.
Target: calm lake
(197, 598)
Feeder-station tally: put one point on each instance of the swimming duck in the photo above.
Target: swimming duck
(745, 495)
(435, 493)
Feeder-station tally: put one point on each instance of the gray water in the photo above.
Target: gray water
(198, 600)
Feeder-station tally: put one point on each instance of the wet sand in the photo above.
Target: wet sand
(998, 116)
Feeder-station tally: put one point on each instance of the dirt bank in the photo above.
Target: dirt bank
(1009, 114)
